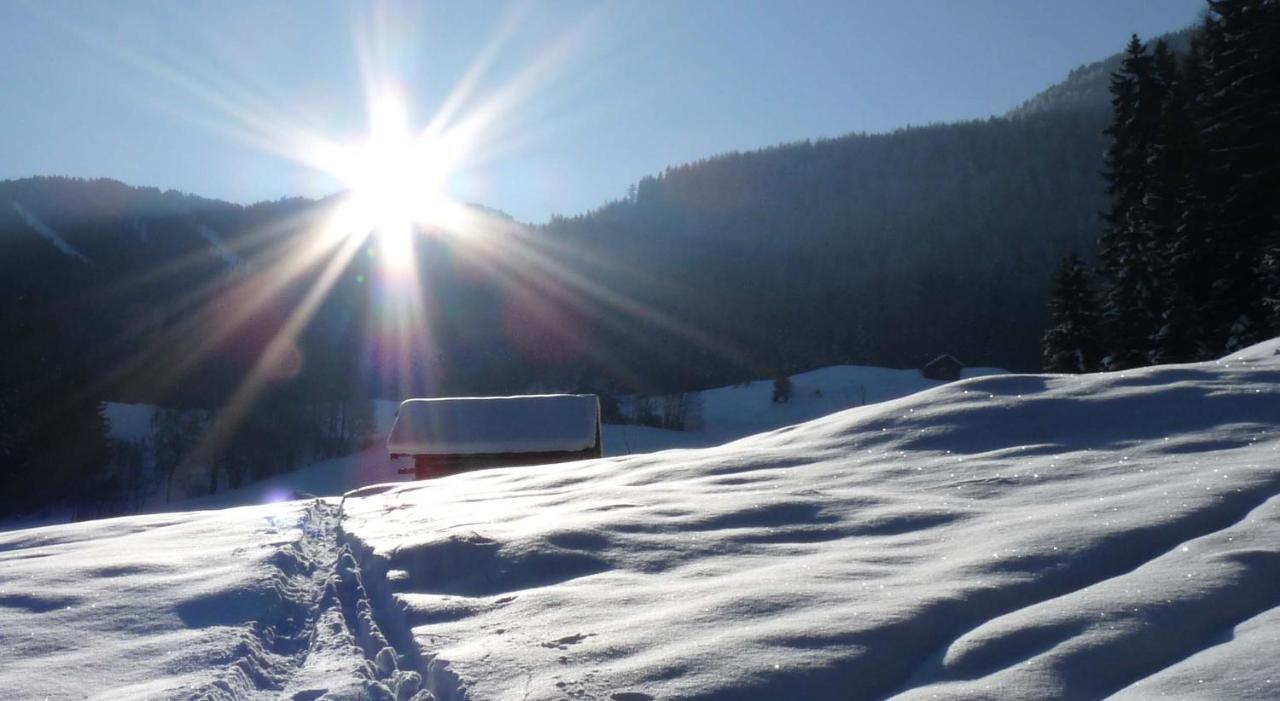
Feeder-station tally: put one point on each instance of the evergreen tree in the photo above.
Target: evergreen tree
(53, 434)
(1132, 306)
(1184, 331)
(781, 388)
(1073, 341)
(1241, 108)
(1173, 216)
(1191, 246)
(81, 453)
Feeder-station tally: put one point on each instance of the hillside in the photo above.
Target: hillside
(1087, 87)
(876, 250)
(126, 280)
(868, 249)
(788, 259)
(727, 414)
(882, 249)
(1026, 536)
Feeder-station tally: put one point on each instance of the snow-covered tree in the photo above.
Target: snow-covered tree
(1131, 307)
(1241, 108)
(1073, 341)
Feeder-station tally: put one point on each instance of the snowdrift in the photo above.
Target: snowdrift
(1014, 536)
(734, 412)
(728, 413)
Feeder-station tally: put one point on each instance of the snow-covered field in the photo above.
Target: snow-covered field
(1015, 536)
(729, 413)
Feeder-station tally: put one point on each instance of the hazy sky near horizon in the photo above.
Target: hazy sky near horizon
(569, 101)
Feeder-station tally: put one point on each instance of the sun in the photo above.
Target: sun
(395, 180)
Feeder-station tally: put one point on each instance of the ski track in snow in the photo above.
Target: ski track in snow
(48, 233)
(1014, 536)
(208, 233)
(321, 640)
(249, 603)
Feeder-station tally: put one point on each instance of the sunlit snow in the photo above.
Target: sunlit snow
(1015, 536)
(47, 232)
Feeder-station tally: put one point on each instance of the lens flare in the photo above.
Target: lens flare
(395, 181)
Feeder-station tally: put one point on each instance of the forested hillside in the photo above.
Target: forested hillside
(872, 249)
(1190, 252)
(1086, 87)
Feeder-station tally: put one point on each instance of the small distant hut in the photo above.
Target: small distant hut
(944, 367)
(457, 434)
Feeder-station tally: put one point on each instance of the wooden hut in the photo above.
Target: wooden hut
(457, 434)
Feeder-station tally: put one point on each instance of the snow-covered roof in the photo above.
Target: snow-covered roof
(487, 425)
(944, 359)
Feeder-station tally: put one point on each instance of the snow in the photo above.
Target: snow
(326, 477)
(730, 413)
(334, 476)
(623, 439)
(128, 422)
(486, 425)
(208, 233)
(44, 230)
(1020, 536)
(133, 608)
(1014, 536)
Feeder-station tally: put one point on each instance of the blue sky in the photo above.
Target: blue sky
(577, 100)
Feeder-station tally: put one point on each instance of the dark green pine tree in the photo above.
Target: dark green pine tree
(1173, 217)
(1132, 308)
(1241, 108)
(79, 454)
(53, 435)
(1184, 332)
(1073, 341)
(1264, 47)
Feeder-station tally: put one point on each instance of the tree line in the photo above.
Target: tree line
(1189, 261)
(873, 249)
(884, 249)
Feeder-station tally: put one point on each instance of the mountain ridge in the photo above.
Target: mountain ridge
(956, 225)
(1087, 86)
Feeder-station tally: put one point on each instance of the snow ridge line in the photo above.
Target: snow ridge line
(439, 682)
(321, 619)
(1160, 541)
(48, 233)
(228, 256)
(1242, 610)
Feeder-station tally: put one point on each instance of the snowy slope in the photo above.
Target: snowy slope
(1015, 536)
(48, 233)
(729, 413)
(1018, 536)
(333, 476)
(128, 422)
(372, 465)
(208, 605)
(208, 233)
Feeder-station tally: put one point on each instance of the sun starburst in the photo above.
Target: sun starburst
(395, 180)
